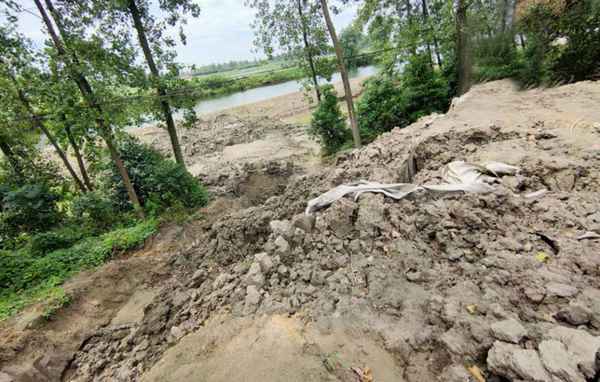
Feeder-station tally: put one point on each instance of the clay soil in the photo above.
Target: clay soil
(456, 287)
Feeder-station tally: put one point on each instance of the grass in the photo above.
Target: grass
(28, 279)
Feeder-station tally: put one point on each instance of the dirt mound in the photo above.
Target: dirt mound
(414, 290)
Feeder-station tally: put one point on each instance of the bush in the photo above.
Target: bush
(29, 208)
(496, 58)
(425, 91)
(46, 242)
(388, 102)
(328, 123)
(159, 182)
(381, 107)
(25, 277)
(562, 45)
(94, 210)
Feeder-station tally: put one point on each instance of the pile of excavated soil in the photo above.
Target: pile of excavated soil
(421, 289)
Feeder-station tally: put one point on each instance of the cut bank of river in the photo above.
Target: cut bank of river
(265, 92)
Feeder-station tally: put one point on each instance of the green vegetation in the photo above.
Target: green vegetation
(328, 124)
(433, 50)
(398, 100)
(562, 44)
(26, 276)
(218, 85)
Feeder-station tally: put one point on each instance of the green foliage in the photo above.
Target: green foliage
(25, 277)
(328, 123)
(159, 182)
(561, 45)
(55, 300)
(381, 107)
(351, 40)
(217, 85)
(389, 102)
(46, 242)
(95, 210)
(496, 57)
(426, 91)
(28, 208)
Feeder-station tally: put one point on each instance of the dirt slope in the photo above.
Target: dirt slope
(415, 290)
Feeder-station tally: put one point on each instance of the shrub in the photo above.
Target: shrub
(388, 102)
(562, 45)
(159, 182)
(496, 58)
(46, 242)
(94, 210)
(425, 91)
(29, 208)
(25, 277)
(381, 107)
(328, 123)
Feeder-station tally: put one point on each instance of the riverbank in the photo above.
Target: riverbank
(275, 128)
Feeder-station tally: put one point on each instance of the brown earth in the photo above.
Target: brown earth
(413, 290)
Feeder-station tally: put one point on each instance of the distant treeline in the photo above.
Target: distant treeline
(235, 65)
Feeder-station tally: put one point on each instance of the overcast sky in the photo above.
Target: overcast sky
(221, 33)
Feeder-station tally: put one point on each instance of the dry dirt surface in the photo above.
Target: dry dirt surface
(436, 287)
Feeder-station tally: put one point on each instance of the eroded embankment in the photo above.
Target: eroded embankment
(415, 290)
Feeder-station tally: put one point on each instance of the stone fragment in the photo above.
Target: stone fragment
(509, 330)
(252, 296)
(559, 362)
(371, 216)
(221, 280)
(513, 362)
(574, 314)
(581, 345)
(305, 222)
(176, 332)
(281, 228)
(198, 278)
(455, 373)
(561, 290)
(281, 245)
(265, 262)
(255, 276)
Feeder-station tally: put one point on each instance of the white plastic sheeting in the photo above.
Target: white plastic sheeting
(457, 176)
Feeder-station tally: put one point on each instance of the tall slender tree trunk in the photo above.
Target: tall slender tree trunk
(309, 53)
(160, 90)
(10, 156)
(78, 156)
(462, 49)
(436, 45)
(426, 22)
(343, 72)
(89, 96)
(410, 19)
(504, 16)
(37, 123)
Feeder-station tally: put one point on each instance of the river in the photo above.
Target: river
(266, 92)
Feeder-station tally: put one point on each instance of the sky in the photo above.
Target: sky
(222, 32)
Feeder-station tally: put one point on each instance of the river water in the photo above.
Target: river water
(266, 92)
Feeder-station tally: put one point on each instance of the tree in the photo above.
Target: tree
(463, 49)
(70, 60)
(351, 39)
(327, 123)
(114, 20)
(296, 28)
(17, 58)
(343, 72)
(137, 16)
